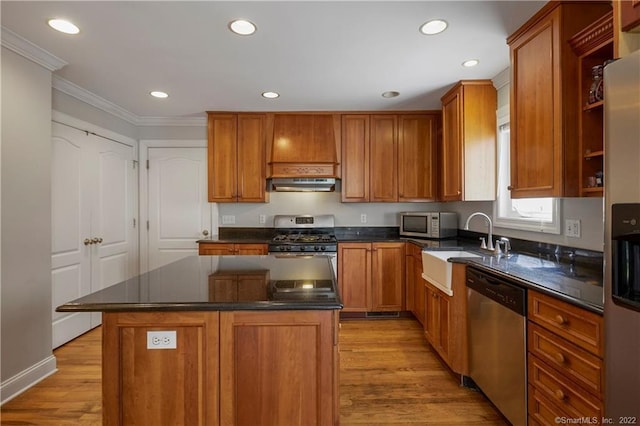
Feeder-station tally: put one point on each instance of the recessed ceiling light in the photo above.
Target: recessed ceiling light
(435, 26)
(63, 26)
(270, 95)
(242, 27)
(159, 94)
(390, 94)
(470, 63)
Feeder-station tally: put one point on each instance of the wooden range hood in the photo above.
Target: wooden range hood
(304, 145)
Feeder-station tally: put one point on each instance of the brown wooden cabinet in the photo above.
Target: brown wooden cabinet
(230, 286)
(544, 95)
(277, 368)
(228, 368)
(147, 387)
(305, 145)
(565, 367)
(236, 158)
(469, 141)
(594, 46)
(445, 325)
(371, 276)
(231, 249)
(389, 157)
(629, 15)
(415, 289)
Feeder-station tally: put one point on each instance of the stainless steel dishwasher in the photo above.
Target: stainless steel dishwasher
(497, 336)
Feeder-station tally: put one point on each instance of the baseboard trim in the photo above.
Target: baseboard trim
(22, 381)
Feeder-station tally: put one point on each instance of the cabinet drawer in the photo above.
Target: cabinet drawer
(215, 249)
(580, 327)
(562, 391)
(575, 363)
(541, 409)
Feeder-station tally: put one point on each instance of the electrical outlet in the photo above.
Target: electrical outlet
(228, 219)
(161, 340)
(363, 218)
(262, 219)
(572, 228)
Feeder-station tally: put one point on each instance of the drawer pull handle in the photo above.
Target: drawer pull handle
(560, 358)
(561, 320)
(560, 395)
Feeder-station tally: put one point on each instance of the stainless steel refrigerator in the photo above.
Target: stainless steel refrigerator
(622, 239)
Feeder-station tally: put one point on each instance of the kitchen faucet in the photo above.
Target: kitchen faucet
(490, 234)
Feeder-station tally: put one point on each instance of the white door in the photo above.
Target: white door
(177, 206)
(94, 241)
(71, 224)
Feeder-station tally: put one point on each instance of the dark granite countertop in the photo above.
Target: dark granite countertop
(578, 283)
(186, 285)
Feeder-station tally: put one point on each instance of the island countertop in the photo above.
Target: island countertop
(222, 283)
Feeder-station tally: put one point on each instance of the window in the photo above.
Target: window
(530, 214)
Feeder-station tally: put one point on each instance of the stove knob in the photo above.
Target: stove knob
(323, 248)
(302, 248)
(281, 248)
(316, 248)
(288, 248)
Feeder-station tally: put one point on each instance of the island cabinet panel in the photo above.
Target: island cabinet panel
(144, 386)
(277, 368)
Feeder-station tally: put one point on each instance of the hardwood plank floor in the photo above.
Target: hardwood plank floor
(388, 376)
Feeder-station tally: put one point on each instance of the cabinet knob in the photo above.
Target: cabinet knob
(560, 319)
(559, 356)
(510, 187)
(205, 232)
(87, 241)
(560, 394)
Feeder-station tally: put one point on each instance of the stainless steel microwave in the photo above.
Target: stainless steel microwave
(429, 224)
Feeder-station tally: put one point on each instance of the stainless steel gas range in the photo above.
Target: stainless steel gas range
(305, 235)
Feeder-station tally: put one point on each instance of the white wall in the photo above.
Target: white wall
(26, 223)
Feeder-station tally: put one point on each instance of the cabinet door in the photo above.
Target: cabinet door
(216, 249)
(354, 276)
(536, 144)
(444, 332)
(251, 249)
(223, 287)
(222, 157)
(432, 314)
(417, 157)
(387, 276)
(451, 176)
(277, 368)
(629, 15)
(251, 147)
(253, 286)
(409, 300)
(383, 167)
(355, 158)
(418, 290)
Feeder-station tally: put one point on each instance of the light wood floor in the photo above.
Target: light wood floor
(388, 376)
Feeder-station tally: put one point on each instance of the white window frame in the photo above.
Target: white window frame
(503, 195)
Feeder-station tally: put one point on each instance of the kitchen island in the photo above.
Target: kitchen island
(210, 340)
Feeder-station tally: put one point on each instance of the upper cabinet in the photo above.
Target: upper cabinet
(389, 157)
(236, 158)
(305, 145)
(629, 15)
(469, 141)
(594, 47)
(544, 99)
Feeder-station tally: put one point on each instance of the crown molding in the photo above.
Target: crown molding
(502, 79)
(25, 48)
(71, 89)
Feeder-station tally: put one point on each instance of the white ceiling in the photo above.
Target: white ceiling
(330, 55)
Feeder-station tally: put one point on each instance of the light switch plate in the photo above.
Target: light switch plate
(228, 219)
(363, 218)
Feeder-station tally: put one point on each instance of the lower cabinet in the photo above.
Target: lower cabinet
(221, 249)
(371, 276)
(415, 289)
(445, 325)
(228, 368)
(565, 367)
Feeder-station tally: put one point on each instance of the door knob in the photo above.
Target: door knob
(96, 240)
(205, 232)
(87, 241)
